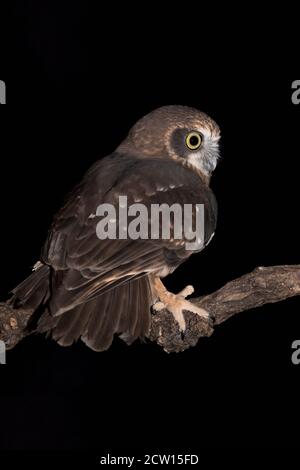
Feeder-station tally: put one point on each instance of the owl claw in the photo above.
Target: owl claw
(159, 306)
(176, 304)
(186, 292)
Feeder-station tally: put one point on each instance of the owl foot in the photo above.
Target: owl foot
(176, 304)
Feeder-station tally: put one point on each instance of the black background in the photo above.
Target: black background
(74, 89)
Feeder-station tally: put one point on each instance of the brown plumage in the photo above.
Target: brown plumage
(91, 289)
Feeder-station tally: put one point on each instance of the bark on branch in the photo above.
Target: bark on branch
(262, 286)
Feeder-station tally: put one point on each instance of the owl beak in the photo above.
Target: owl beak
(209, 163)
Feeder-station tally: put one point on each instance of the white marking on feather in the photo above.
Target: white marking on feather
(37, 266)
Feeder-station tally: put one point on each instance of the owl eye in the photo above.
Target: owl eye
(193, 140)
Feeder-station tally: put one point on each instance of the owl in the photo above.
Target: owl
(91, 289)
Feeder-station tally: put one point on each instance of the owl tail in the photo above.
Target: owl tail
(124, 310)
(33, 291)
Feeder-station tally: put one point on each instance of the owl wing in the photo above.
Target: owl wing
(83, 266)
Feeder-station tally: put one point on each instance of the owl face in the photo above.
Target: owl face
(176, 132)
(197, 145)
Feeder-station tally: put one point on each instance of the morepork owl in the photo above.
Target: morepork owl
(92, 289)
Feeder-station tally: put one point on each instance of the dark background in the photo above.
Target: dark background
(74, 89)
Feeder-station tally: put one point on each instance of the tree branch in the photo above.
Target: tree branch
(262, 286)
(13, 324)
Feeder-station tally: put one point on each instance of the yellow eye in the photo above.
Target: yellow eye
(193, 140)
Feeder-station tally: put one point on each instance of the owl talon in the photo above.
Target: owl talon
(176, 304)
(159, 306)
(186, 292)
